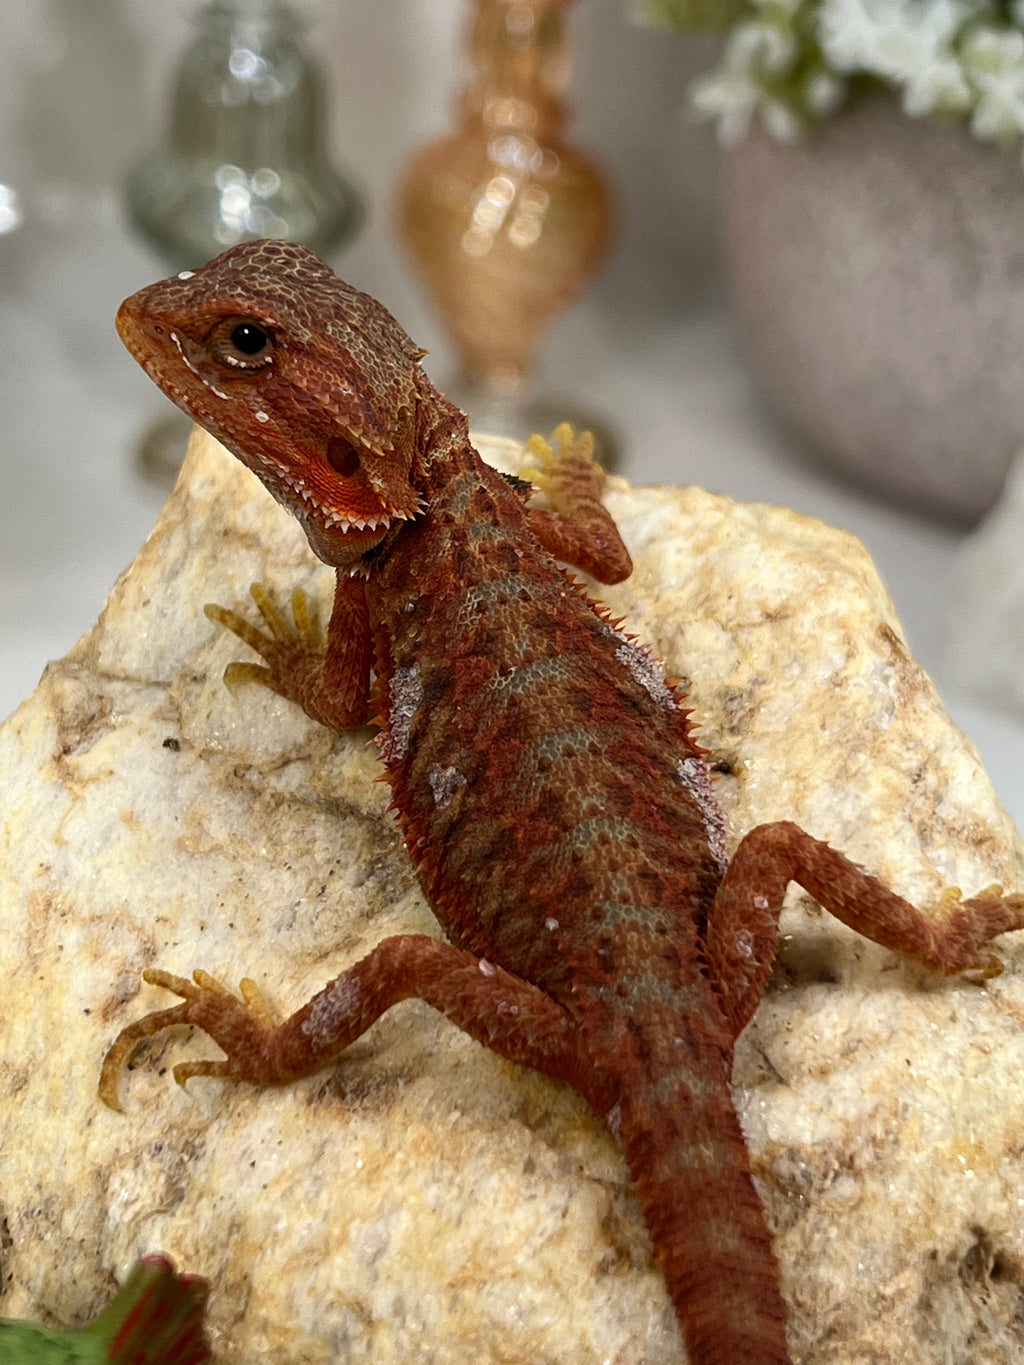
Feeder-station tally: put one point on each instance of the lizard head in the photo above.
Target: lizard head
(310, 383)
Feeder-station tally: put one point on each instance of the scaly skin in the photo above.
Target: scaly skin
(559, 813)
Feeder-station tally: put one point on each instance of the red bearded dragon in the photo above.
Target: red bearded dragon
(556, 806)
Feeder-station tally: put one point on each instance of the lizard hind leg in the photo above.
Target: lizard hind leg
(579, 530)
(743, 924)
(505, 1013)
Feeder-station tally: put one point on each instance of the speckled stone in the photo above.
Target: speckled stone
(877, 270)
(426, 1201)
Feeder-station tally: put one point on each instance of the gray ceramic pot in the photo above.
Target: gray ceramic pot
(878, 276)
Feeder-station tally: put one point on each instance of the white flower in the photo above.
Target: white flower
(734, 93)
(994, 64)
(728, 100)
(944, 56)
(824, 93)
(908, 42)
(757, 45)
(781, 121)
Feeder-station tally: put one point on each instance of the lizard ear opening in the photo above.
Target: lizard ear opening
(373, 489)
(342, 456)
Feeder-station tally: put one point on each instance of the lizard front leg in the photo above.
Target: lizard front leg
(579, 530)
(329, 677)
(506, 1014)
(743, 925)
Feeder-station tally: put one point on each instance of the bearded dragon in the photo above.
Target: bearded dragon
(544, 773)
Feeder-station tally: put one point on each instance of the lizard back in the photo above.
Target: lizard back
(563, 825)
(538, 758)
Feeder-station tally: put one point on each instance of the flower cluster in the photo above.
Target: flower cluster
(794, 61)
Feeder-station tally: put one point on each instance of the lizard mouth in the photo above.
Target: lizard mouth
(363, 509)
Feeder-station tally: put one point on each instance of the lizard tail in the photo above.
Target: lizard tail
(689, 1163)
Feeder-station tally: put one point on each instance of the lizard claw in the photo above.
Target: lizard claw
(292, 649)
(325, 671)
(242, 1027)
(576, 528)
(557, 470)
(968, 925)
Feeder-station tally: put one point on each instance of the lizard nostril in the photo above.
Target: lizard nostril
(342, 457)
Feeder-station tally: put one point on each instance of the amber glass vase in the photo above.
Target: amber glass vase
(505, 220)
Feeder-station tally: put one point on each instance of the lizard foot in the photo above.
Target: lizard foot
(244, 1028)
(561, 473)
(326, 672)
(966, 926)
(293, 650)
(578, 529)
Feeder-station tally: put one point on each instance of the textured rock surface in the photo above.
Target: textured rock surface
(426, 1201)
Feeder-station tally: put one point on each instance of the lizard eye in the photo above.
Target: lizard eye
(249, 339)
(242, 344)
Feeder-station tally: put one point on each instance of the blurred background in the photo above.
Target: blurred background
(646, 344)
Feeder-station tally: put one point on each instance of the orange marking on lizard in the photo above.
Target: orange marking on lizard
(544, 774)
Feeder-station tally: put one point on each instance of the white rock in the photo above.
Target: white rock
(426, 1201)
